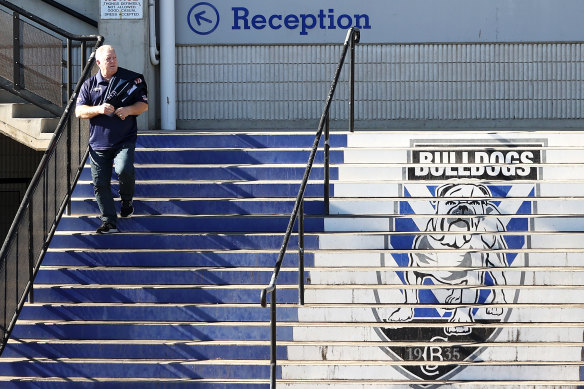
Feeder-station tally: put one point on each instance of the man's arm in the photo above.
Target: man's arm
(88, 111)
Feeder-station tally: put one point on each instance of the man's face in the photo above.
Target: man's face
(107, 63)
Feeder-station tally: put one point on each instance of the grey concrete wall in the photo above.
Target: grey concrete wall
(130, 37)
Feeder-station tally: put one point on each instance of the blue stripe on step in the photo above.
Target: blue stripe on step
(155, 313)
(147, 259)
(163, 277)
(140, 331)
(212, 190)
(194, 224)
(177, 241)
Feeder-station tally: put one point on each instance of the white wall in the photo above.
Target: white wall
(89, 8)
(414, 85)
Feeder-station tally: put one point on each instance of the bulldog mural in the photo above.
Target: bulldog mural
(461, 242)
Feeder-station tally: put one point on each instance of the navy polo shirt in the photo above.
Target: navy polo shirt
(111, 132)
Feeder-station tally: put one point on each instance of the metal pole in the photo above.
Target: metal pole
(30, 249)
(301, 253)
(352, 87)
(327, 161)
(167, 67)
(45, 184)
(355, 38)
(273, 340)
(78, 121)
(68, 134)
(16, 54)
(69, 69)
(68, 171)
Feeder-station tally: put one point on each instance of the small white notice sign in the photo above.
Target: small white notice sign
(122, 9)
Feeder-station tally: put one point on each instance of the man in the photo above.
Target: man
(111, 100)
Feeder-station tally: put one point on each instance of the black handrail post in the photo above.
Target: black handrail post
(327, 161)
(355, 37)
(83, 49)
(69, 69)
(69, 156)
(5, 302)
(273, 334)
(45, 202)
(16, 53)
(69, 93)
(351, 39)
(30, 249)
(301, 253)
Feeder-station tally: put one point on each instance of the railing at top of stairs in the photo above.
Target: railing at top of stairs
(353, 37)
(47, 196)
(33, 60)
(71, 12)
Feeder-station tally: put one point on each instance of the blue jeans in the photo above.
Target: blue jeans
(102, 163)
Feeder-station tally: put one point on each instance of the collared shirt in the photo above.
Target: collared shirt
(110, 132)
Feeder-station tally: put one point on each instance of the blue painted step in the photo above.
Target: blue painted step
(142, 350)
(194, 224)
(232, 156)
(206, 207)
(178, 241)
(146, 259)
(125, 384)
(234, 276)
(115, 369)
(250, 140)
(212, 190)
(229, 173)
(148, 294)
(154, 313)
(138, 331)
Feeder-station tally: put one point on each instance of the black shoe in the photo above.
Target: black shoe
(127, 209)
(107, 228)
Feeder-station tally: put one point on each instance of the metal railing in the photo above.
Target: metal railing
(36, 58)
(46, 198)
(353, 37)
(71, 12)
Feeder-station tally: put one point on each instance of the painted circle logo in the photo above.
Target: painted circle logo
(203, 18)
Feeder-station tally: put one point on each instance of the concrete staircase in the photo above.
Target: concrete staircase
(25, 122)
(173, 300)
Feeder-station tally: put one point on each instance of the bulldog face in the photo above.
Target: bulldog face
(454, 211)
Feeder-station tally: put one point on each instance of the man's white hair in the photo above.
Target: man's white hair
(101, 50)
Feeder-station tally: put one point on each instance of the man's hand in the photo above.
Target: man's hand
(122, 112)
(87, 112)
(106, 109)
(134, 109)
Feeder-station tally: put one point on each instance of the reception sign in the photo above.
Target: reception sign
(308, 21)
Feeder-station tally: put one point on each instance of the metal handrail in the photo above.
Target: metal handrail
(353, 37)
(71, 12)
(16, 88)
(41, 208)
